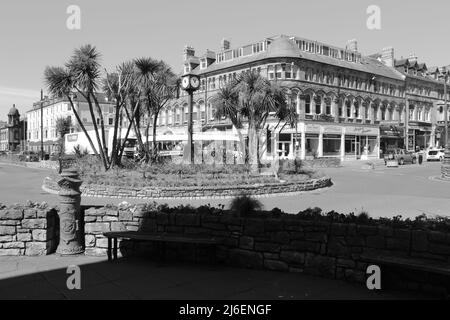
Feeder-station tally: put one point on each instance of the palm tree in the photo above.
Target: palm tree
(226, 105)
(84, 68)
(63, 126)
(256, 98)
(161, 90)
(60, 84)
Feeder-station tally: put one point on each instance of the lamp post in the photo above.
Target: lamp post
(42, 125)
(190, 83)
(445, 170)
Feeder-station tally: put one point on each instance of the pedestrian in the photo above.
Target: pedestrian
(420, 157)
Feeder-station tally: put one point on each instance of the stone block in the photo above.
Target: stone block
(34, 223)
(97, 227)
(24, 237)
(96, 252)
(338, 229)
(36, 248)
(305, 246)
(91, 219)
(254, 227)
(276, 265)
(367, 230)
(101, 242)
(246, 243)
(124, 216)
(337, 247)
(39, 235)
(11, 252)
(320, 265)
(214, 226)
(118, 226)
(30, 213)
(347, 263)
(110, 218)
(267, 247)
(281, 237)
(8, 238)
(10, 222)
(14, 245)
(11, 214)
(162, 219)
(316, 236)
(273, 225)
(397, 244)
(244, 258)
(89, 240)
(293, 257)
(7, 230)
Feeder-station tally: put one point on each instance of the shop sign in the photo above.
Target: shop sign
(362, 131)
(313, 128)
(72, 137)
(332, 129)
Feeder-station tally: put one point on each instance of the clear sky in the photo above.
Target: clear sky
(33, 34)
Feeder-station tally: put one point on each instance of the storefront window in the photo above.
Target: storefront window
(350, 145)
(312, 145)
(331, 145)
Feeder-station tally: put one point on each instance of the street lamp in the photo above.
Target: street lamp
(190, 83)
(446, 164)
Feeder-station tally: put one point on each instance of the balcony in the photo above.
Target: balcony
(319, 117)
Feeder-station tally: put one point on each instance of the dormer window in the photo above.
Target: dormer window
(203, 64)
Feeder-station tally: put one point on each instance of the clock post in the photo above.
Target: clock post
(190, 83)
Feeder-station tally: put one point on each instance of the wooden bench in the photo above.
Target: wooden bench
(161, 239)
(436, 267)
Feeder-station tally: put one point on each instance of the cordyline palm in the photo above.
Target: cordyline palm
(84, 68)
(160, 91)
(226, 103)
(256, 98)
(115, 86)
(62, 126)
(60, 84)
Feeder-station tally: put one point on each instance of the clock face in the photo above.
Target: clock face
(185, 83)
(195, 83)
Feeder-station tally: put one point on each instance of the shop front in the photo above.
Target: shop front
(419, 136)
(361, 143)
(392, 137)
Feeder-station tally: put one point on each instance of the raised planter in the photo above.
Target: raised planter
(212, 192)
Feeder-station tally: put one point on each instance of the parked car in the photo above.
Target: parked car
(436, 155)
(28, 156)
(401, 155)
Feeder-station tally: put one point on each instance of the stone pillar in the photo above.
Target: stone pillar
(303, 146)
(343, 145)
(320, 151)
(70, 240)
(335, 109)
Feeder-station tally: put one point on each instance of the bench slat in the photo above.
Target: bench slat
(162, 237)
(410, 263)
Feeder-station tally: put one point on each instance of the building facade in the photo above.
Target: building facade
(350, 106)
(42, 126)
(13, 132)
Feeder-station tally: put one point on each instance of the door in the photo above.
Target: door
(283, 150)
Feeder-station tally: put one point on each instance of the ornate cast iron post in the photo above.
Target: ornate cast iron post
(70, 240)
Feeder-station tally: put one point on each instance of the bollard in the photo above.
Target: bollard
(70, 239)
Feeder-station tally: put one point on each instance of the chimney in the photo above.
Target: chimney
(352, 45)
(412, 57)
(387, 56)
(188, 52)
(225, 44)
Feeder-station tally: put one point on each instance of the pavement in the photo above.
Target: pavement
(141, 278)
(408, 191)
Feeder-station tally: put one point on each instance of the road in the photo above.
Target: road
(383, 192)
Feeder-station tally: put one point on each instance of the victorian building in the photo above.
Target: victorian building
(350, 106)
(13, 132)
(42, 126)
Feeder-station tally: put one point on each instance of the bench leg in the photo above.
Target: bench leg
(109, 249)
(115, 249)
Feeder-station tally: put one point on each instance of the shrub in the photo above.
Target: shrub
(244, 205)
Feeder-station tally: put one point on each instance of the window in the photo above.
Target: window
(349, 109)
(328, 106)
(271, 72)
(308, 104)
(318, 101)
(278, 71)
(357, 114)
(288, 71)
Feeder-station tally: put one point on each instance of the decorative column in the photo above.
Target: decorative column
(303, 145)
(70, 239)
(343, 145)
(320, 151)
(335, 109)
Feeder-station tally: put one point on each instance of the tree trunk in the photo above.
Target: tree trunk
(253, 147)
(102, 127)
(155, 146)
(114, 153)
(83, 127)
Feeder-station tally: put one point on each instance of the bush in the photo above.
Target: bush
(244, 205)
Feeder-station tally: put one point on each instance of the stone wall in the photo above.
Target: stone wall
(288, 243)
(202, 192)
(28, 230)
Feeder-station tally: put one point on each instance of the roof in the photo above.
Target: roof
(101, 97)
(283, 47)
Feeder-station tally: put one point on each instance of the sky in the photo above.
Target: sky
(34, 34)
